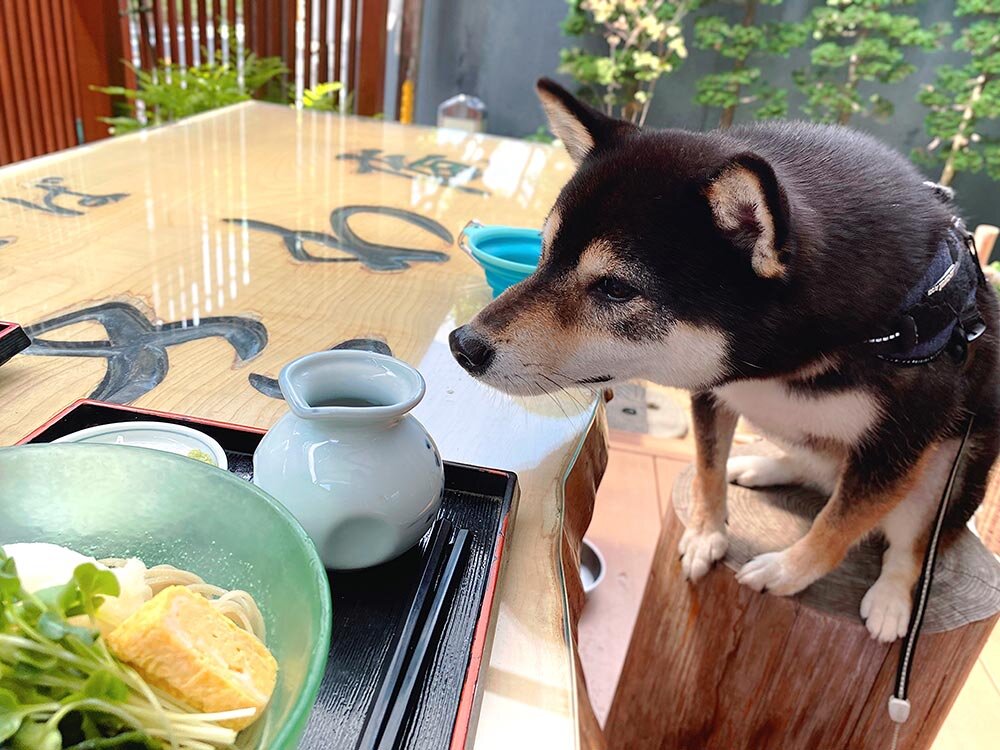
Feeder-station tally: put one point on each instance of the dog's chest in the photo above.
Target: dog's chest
(796, 416)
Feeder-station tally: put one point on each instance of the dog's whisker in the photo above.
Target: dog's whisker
(570, 383)
(552, 397)
(571, 396)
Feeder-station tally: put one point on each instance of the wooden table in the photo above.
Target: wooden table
(180, 268)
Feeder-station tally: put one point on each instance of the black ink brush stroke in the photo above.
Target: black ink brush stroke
(437, 167)
(54, 188)
(374, 256)
(136, 350)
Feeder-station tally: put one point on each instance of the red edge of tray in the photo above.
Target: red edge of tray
(463, 718)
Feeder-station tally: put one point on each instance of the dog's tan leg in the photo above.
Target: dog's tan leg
(861, 500)
(705, 539)
(886, 607)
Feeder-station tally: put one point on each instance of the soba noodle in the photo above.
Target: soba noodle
(237, 605)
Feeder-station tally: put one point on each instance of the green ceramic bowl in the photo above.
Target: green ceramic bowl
(114, 501)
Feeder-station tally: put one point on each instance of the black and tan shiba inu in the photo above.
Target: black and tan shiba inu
(804, 277)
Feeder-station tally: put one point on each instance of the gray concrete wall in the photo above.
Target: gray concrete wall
(496, 49)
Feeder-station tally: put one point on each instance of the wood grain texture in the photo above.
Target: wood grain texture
(621, 529)
(95, 42)
(715, 665)
(987, 518)
(579, 497)
(166, 250)
(966, 579)
(38, 109)
(986, 237)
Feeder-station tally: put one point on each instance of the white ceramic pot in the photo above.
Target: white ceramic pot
(360, 474)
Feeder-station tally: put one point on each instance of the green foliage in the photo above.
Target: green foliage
(745, 43)
(170, 93)
(541, 135)
(860, 42)
(964, 99)
(325, 97)
(644, 42)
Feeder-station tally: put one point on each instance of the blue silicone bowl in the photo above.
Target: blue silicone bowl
(508, 255)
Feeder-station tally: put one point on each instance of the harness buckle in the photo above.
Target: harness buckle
(975, 330)
(963, 336)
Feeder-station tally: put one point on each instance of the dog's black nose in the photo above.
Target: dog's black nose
(471, 350)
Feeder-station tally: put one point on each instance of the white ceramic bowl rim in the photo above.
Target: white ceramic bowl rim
(198, 439)
(602, 566)
(397, 386)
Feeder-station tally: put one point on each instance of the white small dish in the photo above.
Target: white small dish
(161, 436)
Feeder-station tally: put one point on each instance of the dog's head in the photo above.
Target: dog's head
(659, 251)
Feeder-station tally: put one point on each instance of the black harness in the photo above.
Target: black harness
(939, 313)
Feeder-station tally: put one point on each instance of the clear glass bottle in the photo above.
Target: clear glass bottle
(462, 112)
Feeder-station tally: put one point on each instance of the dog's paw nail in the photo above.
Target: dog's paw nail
(886, 609)
(773, 573)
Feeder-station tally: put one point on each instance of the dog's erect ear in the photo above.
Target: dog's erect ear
(579, 126)
(751, 211)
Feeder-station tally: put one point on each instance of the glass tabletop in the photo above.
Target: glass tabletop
(179, 268)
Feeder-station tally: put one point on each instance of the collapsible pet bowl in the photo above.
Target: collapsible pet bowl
(508, 255)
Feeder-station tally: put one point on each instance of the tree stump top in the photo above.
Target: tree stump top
(966, 578)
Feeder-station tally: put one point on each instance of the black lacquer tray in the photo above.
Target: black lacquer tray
(370, 606)
(12, 340)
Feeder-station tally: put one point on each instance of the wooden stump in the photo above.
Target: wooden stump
(716, 666)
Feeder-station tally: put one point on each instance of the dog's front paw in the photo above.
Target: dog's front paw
(759, 471)
(700, 549)
(886, 610)
(777, 573)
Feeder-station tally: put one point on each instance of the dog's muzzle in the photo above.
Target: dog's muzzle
(471, 350)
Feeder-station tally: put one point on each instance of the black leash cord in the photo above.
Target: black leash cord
(899, 706)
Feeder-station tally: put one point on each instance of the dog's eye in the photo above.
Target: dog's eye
(614, 290)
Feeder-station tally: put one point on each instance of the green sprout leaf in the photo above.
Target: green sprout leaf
(37, 736)
(124, 741)
(94, 585)
(10, 584)
(10, 718)
(106, 686)
(83, 594)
